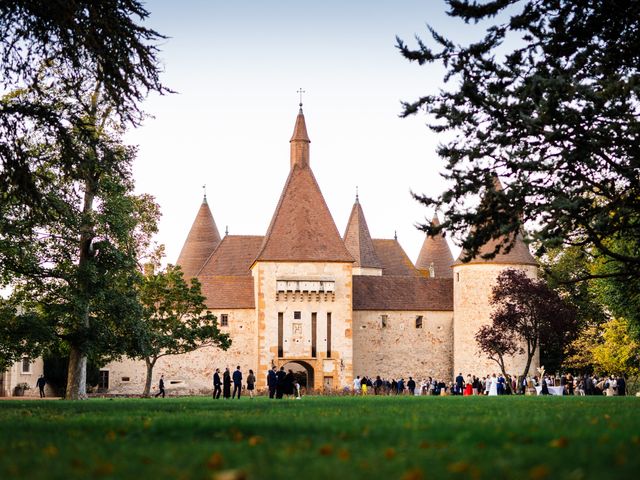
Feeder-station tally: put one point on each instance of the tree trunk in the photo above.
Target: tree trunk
(147, 384)
(530, 354)
(77, 375)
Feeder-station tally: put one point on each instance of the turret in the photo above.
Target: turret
(202, 240)
(435, 259)
(358, 241)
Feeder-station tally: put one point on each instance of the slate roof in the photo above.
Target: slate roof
(358, 239)
(302, 229)
(436, 250)
(402, 293)
(393, 258)
(203, 238)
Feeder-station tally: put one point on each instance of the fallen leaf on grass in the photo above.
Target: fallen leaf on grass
(424, 444)
(413, 474)
(326, 450)
(104, 469)
(110, 436)
(389, 453)
(458, 467)
(230, 475)
(50, 451)
(254, 440)
(561, 442)
(343, 454)
(215, 461)
(539, 472)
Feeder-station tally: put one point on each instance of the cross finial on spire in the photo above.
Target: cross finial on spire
(395, 235)
(204, 192)
(357, 196)
(226, 230)
(301, 91)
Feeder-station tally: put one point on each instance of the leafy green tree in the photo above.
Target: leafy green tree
(75, 266)
(68, 44)
(175, 319)
(549, 100)
(526, 312)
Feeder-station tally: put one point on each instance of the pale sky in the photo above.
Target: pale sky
(237, 66)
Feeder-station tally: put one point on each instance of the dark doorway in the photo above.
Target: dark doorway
(302, 372)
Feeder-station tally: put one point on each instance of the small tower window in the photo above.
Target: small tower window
(297, 315)
(457, 276)
(419, 321)
(432, 270)
(26, 365)
(224, 320)
(384, 321)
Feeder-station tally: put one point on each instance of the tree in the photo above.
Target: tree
(526, 313)
(175, 319)
(87, 42)
(75, 267)
(548, 99)
(607, 349)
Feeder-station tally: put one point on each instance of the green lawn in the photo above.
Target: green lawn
(322, 437)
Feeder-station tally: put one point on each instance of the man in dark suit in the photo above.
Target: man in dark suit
(272, 381)
(280, 381)
(237, 382)
(40, 384)
(160, 387)
(621, 386)
(459, 384)
(217, 390)
(411, 385)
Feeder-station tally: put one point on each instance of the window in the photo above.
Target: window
(314, 323)
(125, 379)
(280, 333)
(457, 276)
(26, 365)
(297, 315)
(103, 383)
(328, 334)
(419, 321)
(384, 320)
(224, 320)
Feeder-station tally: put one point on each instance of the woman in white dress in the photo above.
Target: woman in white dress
(493, 387)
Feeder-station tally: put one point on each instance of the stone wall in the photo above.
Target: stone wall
(192, 373)
(334, 372)
(14, 376)
(399, 349)
(472, 286)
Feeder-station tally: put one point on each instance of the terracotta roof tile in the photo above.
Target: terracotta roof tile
(518, 255)
(203, 238)
(402, 293)
(436, 250)
(393, 258)
(302, 229)
(358, 239)
(233, 256)
(228, 291)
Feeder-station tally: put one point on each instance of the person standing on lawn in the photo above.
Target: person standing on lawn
(40, 384)
(237, 382)
(411, 385)
(272, 381)
(226, 383)
(459, 384)
(280, 385)
(216, 384)
(160, 387)
(251, 382)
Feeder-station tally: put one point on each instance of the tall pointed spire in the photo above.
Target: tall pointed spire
(358, 239)
(202, 240)
(435, 256)
(300, 142)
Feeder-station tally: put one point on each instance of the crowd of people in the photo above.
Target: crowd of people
(281, 383)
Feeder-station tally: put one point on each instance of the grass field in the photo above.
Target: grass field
(322, 437)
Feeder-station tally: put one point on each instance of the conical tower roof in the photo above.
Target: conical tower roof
(202, 240)
(302, 229)
(518, 255)
(435, 251)
(358, 239)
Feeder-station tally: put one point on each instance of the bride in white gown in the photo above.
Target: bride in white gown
(493, 386)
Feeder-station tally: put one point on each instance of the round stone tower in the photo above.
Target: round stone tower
(473, 283)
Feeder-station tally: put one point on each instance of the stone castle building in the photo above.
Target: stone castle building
(335, 306)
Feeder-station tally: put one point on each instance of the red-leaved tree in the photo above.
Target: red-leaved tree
(526, 311)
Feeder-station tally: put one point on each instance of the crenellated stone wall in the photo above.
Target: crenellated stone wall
(399, 349)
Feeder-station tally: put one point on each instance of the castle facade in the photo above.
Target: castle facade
(334, 306)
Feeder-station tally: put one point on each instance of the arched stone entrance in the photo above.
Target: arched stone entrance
(302, 371)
